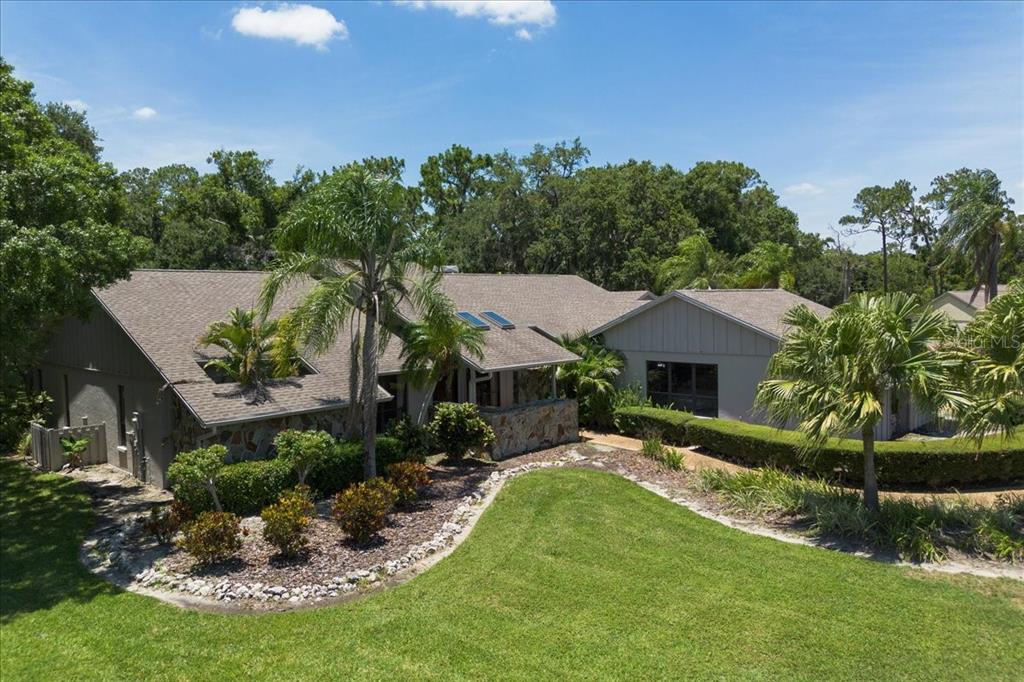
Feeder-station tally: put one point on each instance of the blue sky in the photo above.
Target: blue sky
(822, 99)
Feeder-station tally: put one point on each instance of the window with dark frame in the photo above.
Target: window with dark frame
(122, 427)
(688, 386)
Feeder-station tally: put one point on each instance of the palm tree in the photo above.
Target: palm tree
(833, 373)
(355, 236)
(256, 350)
(591, 378)
(769, 265)
(978, 220)
(433, 346)
(696, 265)
(991, 366)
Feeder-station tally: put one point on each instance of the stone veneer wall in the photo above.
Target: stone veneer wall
(532, 427)
(251, 440)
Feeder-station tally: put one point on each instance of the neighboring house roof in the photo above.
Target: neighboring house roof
(634, 295)
(965, 295)
(165, 312)
(759, 309)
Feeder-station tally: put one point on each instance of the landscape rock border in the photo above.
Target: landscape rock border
(105, 554)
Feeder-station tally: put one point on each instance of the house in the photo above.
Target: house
(705, 351)
(134, 370)
(962, 306)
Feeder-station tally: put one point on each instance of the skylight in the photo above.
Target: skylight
(472, 320)
(499, 320)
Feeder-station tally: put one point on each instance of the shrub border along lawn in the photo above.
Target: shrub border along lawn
(937, 463)
(245, 488)
(643, 422)
(683, 594)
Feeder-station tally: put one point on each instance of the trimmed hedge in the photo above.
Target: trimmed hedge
(641, 422)
(933, 463)
(245, 488)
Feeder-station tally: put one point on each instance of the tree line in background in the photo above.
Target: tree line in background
(69, 222)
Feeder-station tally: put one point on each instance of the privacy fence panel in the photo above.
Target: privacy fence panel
(47, 450)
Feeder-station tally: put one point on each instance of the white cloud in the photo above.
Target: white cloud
(303, 24)
(144, 113)
(77, 104)
(521, 13)
(803, 189)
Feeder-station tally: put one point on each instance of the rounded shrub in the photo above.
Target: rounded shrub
(458, 429)
(408, 478)
(362, 509)
(286, 521)
(212, 537)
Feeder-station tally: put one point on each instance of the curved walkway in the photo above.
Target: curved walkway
(696, 461)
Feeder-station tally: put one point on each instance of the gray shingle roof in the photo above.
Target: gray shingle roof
(759, 308)
(555, 304)
(165, 312)
(979, 300)
(519, 348)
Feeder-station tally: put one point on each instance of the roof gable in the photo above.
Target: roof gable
(760, 310)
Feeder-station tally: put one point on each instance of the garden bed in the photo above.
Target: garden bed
(333, 567)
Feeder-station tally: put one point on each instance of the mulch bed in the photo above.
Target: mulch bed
(331, 553)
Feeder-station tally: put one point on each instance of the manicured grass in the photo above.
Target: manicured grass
(571, 574)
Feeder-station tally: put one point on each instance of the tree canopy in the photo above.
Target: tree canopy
(60, 234)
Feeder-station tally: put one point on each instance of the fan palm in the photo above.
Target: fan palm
(990, 351)
(833, 373)
(591, 378)
(978, 220)
(255, 349)
(433, 346)
(354, 234)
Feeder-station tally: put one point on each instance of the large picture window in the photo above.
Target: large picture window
(684, 386)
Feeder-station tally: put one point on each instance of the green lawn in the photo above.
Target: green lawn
(571, 574)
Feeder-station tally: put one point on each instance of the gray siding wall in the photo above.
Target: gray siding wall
(677, 331)
(97, 357)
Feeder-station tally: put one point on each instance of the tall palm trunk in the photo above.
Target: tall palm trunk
(870, 480)
(993, 270)
(369, 390)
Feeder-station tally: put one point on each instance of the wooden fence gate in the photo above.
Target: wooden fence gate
(48, 453)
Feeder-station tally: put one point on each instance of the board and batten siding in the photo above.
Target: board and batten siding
(95, 361)
(678, 331)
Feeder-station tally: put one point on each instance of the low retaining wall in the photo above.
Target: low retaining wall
(532, 427)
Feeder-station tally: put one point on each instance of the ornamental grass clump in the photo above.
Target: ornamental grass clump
(286, 522)
(362, 509)
(654, 449)
(212, 537)
(917, 530)
(408, 478)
